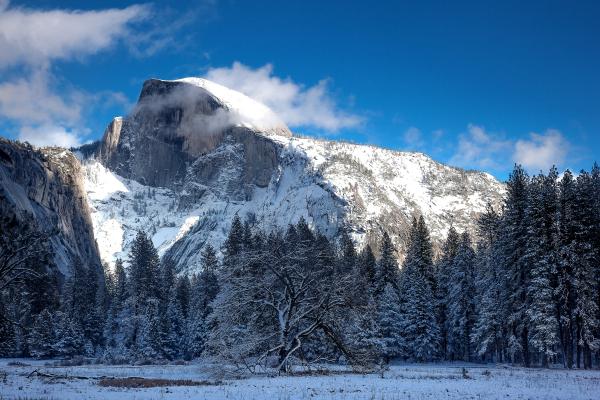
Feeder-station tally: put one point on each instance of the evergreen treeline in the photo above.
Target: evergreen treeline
(525, 289)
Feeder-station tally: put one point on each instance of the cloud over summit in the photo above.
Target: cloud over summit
(295, 104)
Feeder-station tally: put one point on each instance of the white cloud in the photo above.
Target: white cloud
(437, 134)
(49, 135)
(413, 138)
(295, 104)
(31, 40)
(31, 101)
(480, 149)
(35, 38)
(541, 151)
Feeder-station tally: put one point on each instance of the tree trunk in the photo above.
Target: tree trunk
(587, 356)
(578, 347)
(525, 344)
(545, 360)
(283, 354)
(569, 346)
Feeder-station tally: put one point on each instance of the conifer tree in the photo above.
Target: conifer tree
(41, 336)
(461, 297)
(144, 267)
(387, 267)
(69, 340)
(513, 241)
(348, 256)
(541, 256)
(584, 273)
(389, 324)
(489, 329)
(443, 276)
(367, 265)
(420, 331)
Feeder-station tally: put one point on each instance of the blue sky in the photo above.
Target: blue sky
(479, 84)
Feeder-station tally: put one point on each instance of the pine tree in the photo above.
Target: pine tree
(389, 323)
(488, 331)
(585, 268)
(387, 267)
(204, 289)
(348, 256)
(174, 328)
(183, 294)
(233, 245)
(565, 291)
(119, 295)
(461, 296)
(541, 255)
(443, 274)
(367, 265)
(41, 336)
(121, 291)
(142, 318)
(595, 240)
(69, 340)
(513, 241)
(149, 340)
(8, 345)
(208, 280)
(420, 331)
(144, 267)
(93, 319)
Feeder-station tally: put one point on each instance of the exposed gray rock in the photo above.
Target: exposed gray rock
(47, 184)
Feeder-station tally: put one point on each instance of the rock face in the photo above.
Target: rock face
(48, 185)
(172, 125)
(193, 154)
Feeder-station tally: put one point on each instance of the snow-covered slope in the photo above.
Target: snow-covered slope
(184, 183)
(243, 110)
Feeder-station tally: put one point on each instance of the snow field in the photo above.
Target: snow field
(427, 381)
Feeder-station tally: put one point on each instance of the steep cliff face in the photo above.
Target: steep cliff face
(193, 154)
(47, 184)
(173, 124)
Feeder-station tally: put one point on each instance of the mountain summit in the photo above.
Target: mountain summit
(193, 153)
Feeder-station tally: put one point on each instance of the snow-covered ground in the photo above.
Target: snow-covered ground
(400, 382)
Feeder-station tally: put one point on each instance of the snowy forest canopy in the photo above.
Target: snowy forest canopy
(525, 288)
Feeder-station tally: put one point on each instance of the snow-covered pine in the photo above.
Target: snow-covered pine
(420, 331)
(389, 320)
(387, 270)
(585, 269)
(513, 242)
(489, 330)
(443, 270)
(461, 301)
(542, 257)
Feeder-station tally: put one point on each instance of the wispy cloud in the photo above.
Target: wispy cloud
(413, 138)
(36, 38)
(32, 98)
(50, 135)
(295, 104)
(541, 151)
(479, 148)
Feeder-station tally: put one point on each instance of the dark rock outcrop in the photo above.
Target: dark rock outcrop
(172, 126)
(46, 184)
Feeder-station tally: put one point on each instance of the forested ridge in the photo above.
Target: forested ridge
(523, 289)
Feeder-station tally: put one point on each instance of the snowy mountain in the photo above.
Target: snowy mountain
(193, 153)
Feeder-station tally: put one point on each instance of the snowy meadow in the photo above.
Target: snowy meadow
(30, 379)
